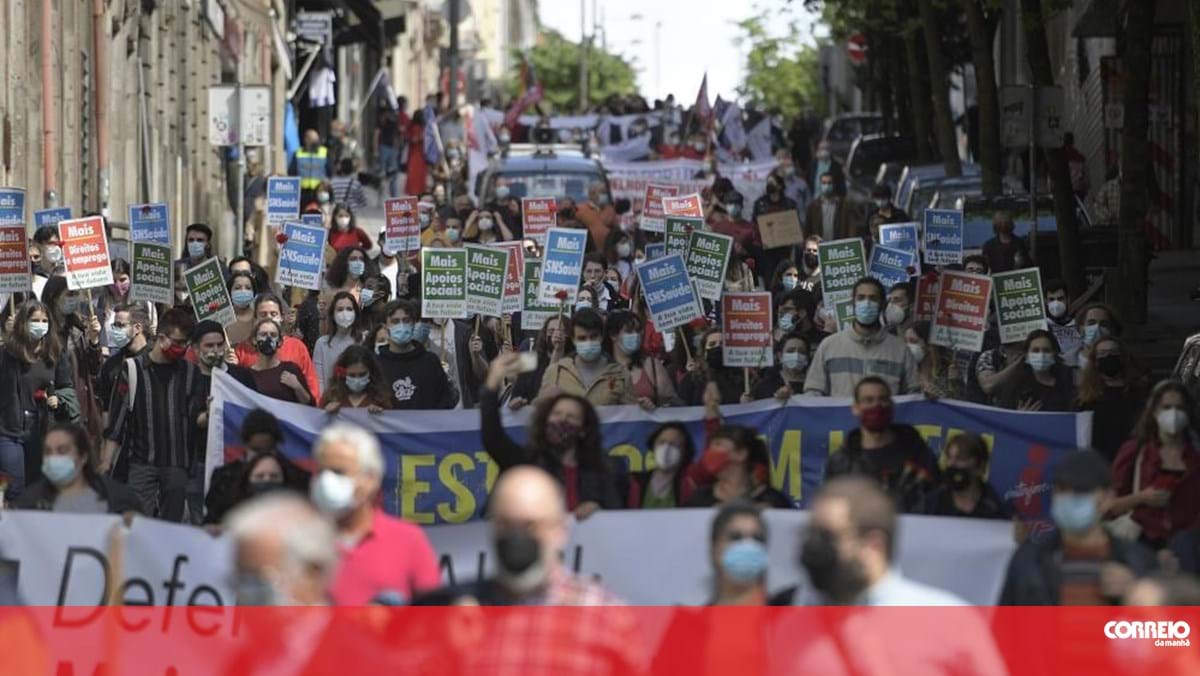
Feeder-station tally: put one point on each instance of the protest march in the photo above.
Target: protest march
(559, 374)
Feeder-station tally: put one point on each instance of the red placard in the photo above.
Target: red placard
(403, 227)
(514, 297)
(85, 253)
(653, 216)
(538, 214)
(690, 206)
(927, 292)
(746, 321)
(960, 316)
(14, 259)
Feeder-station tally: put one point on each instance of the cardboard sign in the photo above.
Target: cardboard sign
(891, 266)
(843, 263)
(487, 268)
(746, 322)
(655, 250)
(670, 296)
(653, 216)
(444, 283)
(149, 223)
(534, 312)
(960, 316)
(688, 206)
(151, 274)
(85, 253)
(210, 298)
(302, 257)
(927, 293)
(843, 311)
(678, 230)
(513, 277)
(14, 259)
(903, 236)
(562, 265)
(781, 228)
(283, 199)
(12, 206)
(402, 225)
(1020, 306)
(44, 217)
(708, 254)
(943, 236)
(538, 215)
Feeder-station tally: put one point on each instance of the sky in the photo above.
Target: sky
(696, 35)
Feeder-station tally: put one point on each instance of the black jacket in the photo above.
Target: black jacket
(120, 498)
(1035, 571)
(12, 391)
(940, 502)
(906, 468)
(417, 379)
(770, 382)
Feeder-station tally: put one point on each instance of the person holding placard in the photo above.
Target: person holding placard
(589, 373)
(774, 201)
(79, 334)
(651, 383)
(708, 366)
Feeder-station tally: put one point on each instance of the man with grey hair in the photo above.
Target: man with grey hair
(383, 557)
(285, 552)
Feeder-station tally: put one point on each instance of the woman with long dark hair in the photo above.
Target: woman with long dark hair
(1113, 386)
(665, 483)
(79, 333)
(651, 383)
(1043, 382)
(552, 343)
(342, 329)
(349, 269)
(357, 382)
(70, 481)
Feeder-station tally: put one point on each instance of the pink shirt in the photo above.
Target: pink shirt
(394, 556)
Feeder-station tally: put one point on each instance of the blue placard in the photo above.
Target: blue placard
(654, 251)
(562, 264)
(12, 206)
(901, 236)
(149, 223)
(283, 199)
(891, 266)
(44, 217)
(312, 220)
(669, 292)
(301, 258)
(943, 236)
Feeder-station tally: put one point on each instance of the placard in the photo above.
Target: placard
(443, 283)
(487, 268)
(538, 215)
(44, 217)
(781, 228)
(534, 312)
(151, 274)
(708, 254)
(746, 322)
(843, 312)
(562, 265)
(312, 220)
(283, 199)
(653, 216)
(688, 206)
(301, 257)
(206, 287)
(14, 259)
(513, 287)
(903, 236)
(402, 226)
(669, 293)
(678, 230)
(843, 263)
(891, 266)
(85, 253)
(943, 236)
(655, 250)
(149, 223)
(12, 206)
(1020, 306)
(960, 316)
(928, 287)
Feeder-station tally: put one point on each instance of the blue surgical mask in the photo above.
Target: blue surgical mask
(356, 268)
(357, 384)
(365, 297)
(588, 350)
(59, 469)
(118, 337)
(38, 330)
(866, 312)
(401, 333)
(241, 297)
(789, 282)
(1093, 332)
(745, 561)
(795, 361)
(630, 342)
(826, 189)
(196, 249)
(1073, 512)
(787, 322)
(1039, 361)
(421, 332)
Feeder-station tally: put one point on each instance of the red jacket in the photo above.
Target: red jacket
(1159, 523)
(344, 239)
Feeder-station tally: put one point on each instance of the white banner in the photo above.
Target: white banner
(629, 179)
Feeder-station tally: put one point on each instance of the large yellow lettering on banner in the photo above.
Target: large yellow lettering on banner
(410, 487)
(785, 472)
(631, 453)
(463, 507)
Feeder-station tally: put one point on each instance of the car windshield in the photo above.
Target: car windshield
(542, 184)
(868, 155)
(851, 128)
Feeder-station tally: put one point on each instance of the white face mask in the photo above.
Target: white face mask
(918, 351)
(485, 224)
(332, 493)
(894, 314)
(623, 250)
(1171, 420)
(343, 222)
(667, 456)
(52, 253)
(1056, 308)
(344, 318)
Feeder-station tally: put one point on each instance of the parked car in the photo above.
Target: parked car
(870, 151)
(889, 175)
(842, 131)
(914, 173)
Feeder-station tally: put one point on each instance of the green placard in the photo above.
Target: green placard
(210, 298)
(1019, 303)
(534, 313)
(486, 268)
(151, 277)
(845, 314)
(444, 283)
(707, 256)
(843, 263)
(679, 228)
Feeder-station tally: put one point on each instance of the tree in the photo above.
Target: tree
(556, 65)
(1132, 256)
(981, 29)
(939, 79)
(781, 72)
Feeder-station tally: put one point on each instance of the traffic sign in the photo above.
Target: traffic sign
(1015, 104)
(856, 49)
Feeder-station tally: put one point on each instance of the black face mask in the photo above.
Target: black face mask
(841, 582)
(267, 346)
(958, 479)
(812, 260)
(517, 552)
(715, 357)
(1109, 365)
(261, 487)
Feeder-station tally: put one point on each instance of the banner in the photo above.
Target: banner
(707, 256)
(562, 265)
(746, 321)
(149, 223)
(283, 199)
(677, 231)
(301, 257)
(960, 315)
(843, 263)
(402, 227)
(85, 253)
(891, 266)
(487, 268)
(538, 214)
(512, 277)
(628, 180)
(14, 259)
(210, 298)
(151, 274)
(943, 236)
(670, 296)
(438, 472)
(44, 217)
(903, 236)
(534, 313)
(12, 206)
(443, 283)
(653, 216)
(1020, 307)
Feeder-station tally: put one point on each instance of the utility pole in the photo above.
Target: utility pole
(239, 190)
(583, 56)
(453, 56)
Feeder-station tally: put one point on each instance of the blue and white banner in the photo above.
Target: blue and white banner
(12, 206)
(943, 236)
(301, 258)
(670, 296)
(562, 265)
(283, 199)
(437, 471)
(44, 217)
(149, 223)
(891, 266)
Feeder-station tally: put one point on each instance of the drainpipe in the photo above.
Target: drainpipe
(99, 35)
(49, 106)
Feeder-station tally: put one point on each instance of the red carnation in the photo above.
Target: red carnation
(212, 307)
(39, 395)
(750, 263)
(561, 295)
(282, 238)
(123, 388)
(699, 323)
